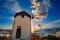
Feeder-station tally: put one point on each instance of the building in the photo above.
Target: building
(5, 36)
(22, 26)
(57, 34)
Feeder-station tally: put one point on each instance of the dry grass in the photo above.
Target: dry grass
(36, 37)
(5, 38)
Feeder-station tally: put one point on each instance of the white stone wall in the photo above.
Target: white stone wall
(25, 24)
(57, 34)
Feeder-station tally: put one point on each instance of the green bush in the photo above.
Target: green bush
(51, 37)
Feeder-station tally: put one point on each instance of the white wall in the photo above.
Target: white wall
(25, 24)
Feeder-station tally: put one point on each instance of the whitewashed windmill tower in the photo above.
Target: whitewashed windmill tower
(22, 26)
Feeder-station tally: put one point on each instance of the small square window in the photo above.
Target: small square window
(22, 16)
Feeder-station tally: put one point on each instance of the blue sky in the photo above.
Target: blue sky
(8, 9)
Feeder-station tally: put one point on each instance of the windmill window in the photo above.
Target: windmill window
(22, 16)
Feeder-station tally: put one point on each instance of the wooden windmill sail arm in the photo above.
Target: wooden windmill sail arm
(37, 3)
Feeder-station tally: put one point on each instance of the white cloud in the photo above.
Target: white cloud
(51, 24)
(6, 27)
(12, 5)
(16, 7)
(56, 21)
(44, 25)
(12, 18)
(48, 2)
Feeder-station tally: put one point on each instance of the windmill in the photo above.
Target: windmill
(39, 10)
